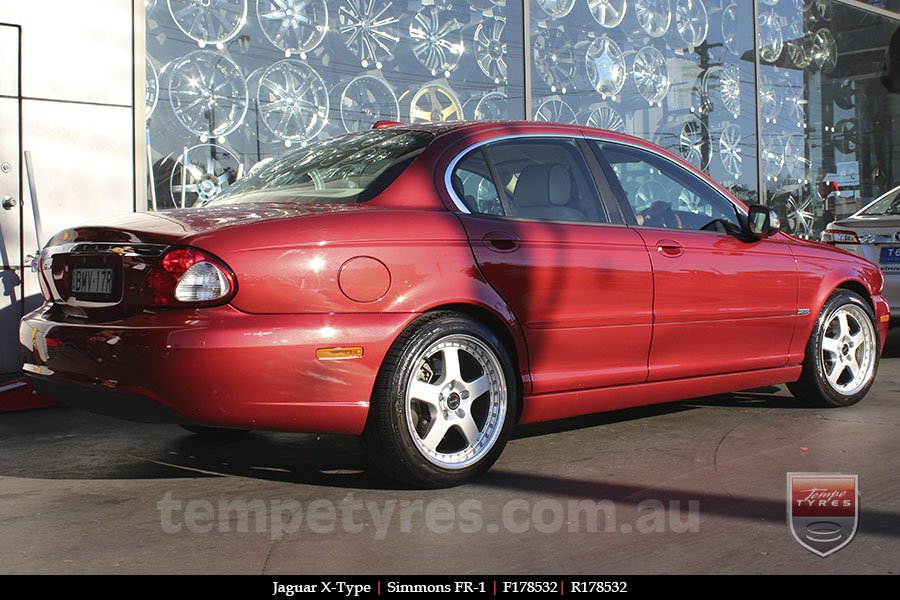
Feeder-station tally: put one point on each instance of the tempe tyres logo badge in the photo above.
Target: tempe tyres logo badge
(823, 510)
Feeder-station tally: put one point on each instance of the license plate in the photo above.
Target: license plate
(890, 255)
(92, 282)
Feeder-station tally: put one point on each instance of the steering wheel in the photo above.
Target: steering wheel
(659, 214)
(648, 192)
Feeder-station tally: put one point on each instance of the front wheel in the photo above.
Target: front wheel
(444, 403)
(842, 353)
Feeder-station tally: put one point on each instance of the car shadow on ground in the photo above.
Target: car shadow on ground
(61, 443)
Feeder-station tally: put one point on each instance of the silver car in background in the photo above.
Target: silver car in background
(874, 233)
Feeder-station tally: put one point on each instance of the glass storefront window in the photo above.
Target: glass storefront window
(679, 73)
(234, 82)
(808, 130)
(828, 143)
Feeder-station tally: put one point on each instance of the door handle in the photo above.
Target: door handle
(501, 241)
(8, 203)
(669, 248)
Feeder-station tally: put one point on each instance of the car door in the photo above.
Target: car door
(577, 279)
(722, 304)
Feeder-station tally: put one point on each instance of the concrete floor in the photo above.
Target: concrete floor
(81, 493)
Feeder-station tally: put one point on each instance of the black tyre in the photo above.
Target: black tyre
(444, 403)
(215, 432)
(842, 353)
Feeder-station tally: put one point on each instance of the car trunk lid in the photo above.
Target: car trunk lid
(98, 272)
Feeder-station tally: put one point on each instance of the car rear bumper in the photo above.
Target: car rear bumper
(214, 366)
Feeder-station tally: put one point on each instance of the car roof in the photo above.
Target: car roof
(463, 129)
(470, 127)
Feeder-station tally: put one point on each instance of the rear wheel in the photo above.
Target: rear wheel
(444, 403)
(842, 353)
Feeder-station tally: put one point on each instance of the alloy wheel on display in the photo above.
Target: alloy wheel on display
(202, 173)
(209, 21)
(437, 40)
(490, 49)
(730, 28)
(555, 110)
(556, 9)
(693, 144)
(435, 103)
(605, 65)
(607, 118)
(730, 149)
(365, 101)
(554, 59)
(293, 101)
(691, 21)
(492, 106)
(608, 13)
(370, 30)
(769, 37)
(651, 74)
(654, 16)
(293, 26)
(208, 93)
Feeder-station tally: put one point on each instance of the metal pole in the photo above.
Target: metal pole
(184, 168)
(760, 184)
(138, 101)
(35, 211)
(150, 177)
(527, 57)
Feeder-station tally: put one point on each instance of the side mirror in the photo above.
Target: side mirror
(763, 221)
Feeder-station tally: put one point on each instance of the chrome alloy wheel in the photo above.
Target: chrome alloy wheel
(848, 349)
(456, 401)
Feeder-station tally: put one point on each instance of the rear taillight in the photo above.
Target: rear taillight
(188, 277)
(839, 236)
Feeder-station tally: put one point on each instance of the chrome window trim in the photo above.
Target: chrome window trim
(448, 173)
(461, 207)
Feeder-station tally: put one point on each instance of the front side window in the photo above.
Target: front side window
(665, 195)
(543, 179)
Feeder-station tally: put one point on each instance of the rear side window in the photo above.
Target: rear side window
(474, 185)
(544, 179)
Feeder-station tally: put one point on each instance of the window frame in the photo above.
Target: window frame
(621, 196)
(604, 189)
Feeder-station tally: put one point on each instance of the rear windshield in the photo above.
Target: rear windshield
(341, 170)
(889, 204)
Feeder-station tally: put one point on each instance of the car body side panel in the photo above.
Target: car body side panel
(547, 407)
(823, 269)
(296, 266)
(299, 266)
(722, 305)
(581, 293)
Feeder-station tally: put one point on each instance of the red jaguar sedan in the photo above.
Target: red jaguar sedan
(428, 287)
